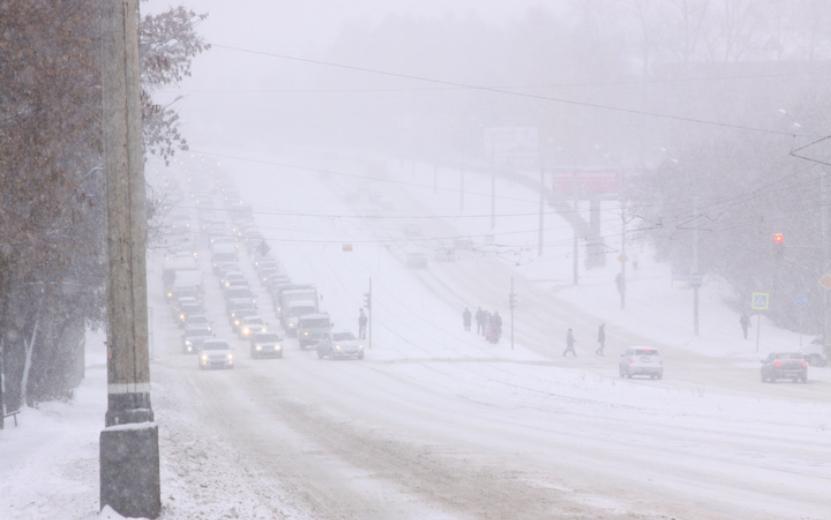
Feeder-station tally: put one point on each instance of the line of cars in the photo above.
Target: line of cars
(226, 233)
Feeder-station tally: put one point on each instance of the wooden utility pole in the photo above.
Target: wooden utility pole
(129, 444)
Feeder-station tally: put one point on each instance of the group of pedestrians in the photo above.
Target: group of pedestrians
(488, 324)
(601, 342)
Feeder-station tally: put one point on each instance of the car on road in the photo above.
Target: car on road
(197, 320)
(266, 345)
(216, 353)
(340, 345)
(238, 314)
(816, 359)
(641, 361)
(311, 328)
(187, 307)
(293, 314)
(784, 365)
(194, 337)
(250, 325)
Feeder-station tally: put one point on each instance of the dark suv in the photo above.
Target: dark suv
(784, 365)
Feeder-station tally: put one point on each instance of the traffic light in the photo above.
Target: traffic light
(368, 300)
(512, 299)
(778, 240)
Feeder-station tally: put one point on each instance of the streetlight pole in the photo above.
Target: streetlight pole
(129, 444)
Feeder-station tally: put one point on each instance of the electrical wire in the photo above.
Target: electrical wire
(513, 93)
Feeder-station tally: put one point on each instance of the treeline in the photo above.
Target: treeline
(52, 205)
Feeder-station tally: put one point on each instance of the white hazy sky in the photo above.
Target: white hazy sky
(294, 25)
(298, 27)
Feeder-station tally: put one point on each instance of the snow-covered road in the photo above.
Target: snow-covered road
(437, 423)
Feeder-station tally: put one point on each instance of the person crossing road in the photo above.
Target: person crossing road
(466, 317)
(570, 344)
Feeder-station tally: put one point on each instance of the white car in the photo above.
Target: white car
(216, 354)
(266, 345)
(251, 325)
(340, 345)
(641, 361)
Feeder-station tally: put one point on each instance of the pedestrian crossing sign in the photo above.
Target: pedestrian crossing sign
(760, 301)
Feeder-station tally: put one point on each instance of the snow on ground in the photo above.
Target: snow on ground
(657, 307)
(437, 423)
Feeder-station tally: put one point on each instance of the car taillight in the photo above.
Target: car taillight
(777, 364)
(803, 364)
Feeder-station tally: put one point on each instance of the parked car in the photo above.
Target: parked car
(216, 354)
(641, 361)
(784, 365)
(266, 345)
(340, 345)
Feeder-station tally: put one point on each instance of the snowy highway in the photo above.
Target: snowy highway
(437, 423)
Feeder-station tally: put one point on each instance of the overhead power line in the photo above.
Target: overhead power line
(513, 93)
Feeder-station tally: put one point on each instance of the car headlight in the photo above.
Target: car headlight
(337, 347)
(278, 347)
(188, 342)
(182, 317)
(246, 331)
(258, 348)
(236, 322)
(306, 333)
(204, 359)
(169, 294)
(190, 349)
(230, 357)
(265, 329)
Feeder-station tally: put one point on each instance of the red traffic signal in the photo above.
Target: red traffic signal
(778, 239)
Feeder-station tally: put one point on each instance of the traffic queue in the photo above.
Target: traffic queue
(211, 237)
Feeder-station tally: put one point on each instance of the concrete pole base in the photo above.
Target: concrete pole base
(130, 470)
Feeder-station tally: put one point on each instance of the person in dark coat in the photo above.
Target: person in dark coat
(466, 319)
(570, 344)
(744, 321)
(601, 339)
(480, 321)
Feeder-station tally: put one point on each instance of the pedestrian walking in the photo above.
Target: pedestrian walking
(570, 344)
(744, 321)
(486, 323)
(497, 326)
(480, 321)
(362, 321)
(601, 339)
(466, 319)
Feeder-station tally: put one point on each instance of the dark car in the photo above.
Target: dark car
(193, 338)
(784, 365)
(815, 359)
